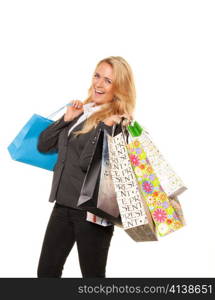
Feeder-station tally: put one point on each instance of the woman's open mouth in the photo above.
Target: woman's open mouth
(98, 92)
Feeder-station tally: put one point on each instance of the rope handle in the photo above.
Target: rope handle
(57, 111)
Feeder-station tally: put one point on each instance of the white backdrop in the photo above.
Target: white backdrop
(48, 52)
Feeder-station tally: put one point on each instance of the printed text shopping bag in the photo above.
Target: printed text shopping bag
(135, 215)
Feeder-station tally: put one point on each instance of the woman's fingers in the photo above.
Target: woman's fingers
(76, 103)
(127, 119)
(125, 122)
(127, 116)
(117, 119)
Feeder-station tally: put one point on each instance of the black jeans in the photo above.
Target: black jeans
(65, 227)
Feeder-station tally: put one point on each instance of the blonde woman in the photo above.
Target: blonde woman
(111, 96)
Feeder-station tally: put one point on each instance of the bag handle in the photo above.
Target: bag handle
(125, 131)
(57, 111)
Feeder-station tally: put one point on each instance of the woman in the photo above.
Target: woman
(73, 136)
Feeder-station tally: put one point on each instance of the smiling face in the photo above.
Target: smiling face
(102, 84)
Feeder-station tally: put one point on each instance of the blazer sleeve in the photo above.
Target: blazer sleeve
(48, 138)
(89, 149)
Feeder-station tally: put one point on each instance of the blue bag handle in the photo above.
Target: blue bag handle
(57, 111)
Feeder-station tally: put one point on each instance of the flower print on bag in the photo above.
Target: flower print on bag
(134, 159)
(142, 156)
(169, 221)
(163, 196)
(170, 210)
(149, 170)
(158, 203)
(155, 182)
(150, 200)
(138, 151)
(142, 166)
(165, 204)
(155, 194)
(147, 187)
(136, 144)
(138, 171)
(152, 177)
(159, 215)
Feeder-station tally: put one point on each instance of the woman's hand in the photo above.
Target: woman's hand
(74, 109)
(116, 119)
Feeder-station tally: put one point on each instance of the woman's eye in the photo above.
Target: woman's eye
(96, 75)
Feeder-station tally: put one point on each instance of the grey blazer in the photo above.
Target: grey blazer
(74, 155)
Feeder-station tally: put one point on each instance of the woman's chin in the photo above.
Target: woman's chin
(96, 102)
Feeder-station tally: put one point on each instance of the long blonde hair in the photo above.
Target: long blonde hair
(124, 94)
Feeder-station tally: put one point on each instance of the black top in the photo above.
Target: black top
(74, 155)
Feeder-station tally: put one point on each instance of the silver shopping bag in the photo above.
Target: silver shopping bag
(97, 194)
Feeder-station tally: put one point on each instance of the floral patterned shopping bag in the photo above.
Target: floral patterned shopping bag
(164, 215)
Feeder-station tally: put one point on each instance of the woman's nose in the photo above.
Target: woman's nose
(99, 82)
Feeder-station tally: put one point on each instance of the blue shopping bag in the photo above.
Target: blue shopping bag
(24, 147)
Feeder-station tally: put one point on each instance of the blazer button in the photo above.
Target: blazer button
(94, 139)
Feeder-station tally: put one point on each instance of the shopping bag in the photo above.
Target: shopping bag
(136, 218)
(24, 146)
(97, 194)
(163, 212)
(171, 183)
(174, 201)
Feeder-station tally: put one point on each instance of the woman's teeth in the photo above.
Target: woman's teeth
(99, 92)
